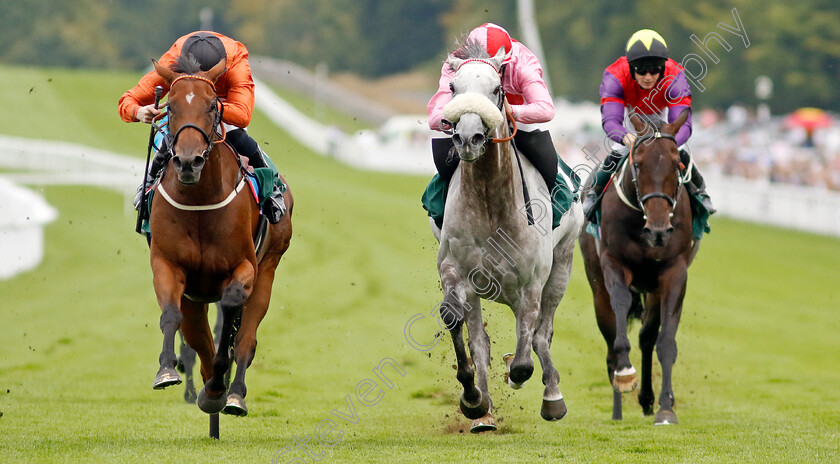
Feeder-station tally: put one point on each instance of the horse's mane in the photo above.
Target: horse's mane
(470, 48)
(186, 64)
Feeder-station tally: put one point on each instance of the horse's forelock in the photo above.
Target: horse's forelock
(470, 48)
(186, 64)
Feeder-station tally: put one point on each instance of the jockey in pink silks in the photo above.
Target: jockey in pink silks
(530, 104)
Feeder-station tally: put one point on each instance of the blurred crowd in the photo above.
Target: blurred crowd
(738, 142)
(780, 149)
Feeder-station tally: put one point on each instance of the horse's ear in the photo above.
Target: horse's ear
(638, 124)
(676, 125)
(498, 59)
(167, 74)
(454, 63)
(217, 70)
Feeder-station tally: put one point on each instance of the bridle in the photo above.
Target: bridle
(500, 104)
(218, 108)
(672, 200)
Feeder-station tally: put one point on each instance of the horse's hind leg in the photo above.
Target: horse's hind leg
(553, 405)
(186, 363)
(479, 344)
(647, 341)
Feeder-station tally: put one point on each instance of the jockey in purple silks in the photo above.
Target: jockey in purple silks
(529, 101)
(648, 83)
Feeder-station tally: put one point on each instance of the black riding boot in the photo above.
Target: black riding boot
(274, 207)
(697, 187)
(593, 194)
(538, 148)
(158, 162)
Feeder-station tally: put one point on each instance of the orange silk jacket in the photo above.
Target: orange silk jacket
(235, 86)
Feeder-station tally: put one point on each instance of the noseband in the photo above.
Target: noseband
(218, 108)
(672, 200)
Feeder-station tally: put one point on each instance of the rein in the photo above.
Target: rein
(512, 121)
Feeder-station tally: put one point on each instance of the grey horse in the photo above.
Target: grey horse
(489, 250)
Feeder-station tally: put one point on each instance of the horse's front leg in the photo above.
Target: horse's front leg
(245, 344)
(673, 283)
(479, 344)
(212, 398)
(647, 341)
(617, 282)
(474, 404)
(169, 284)
(526, 311)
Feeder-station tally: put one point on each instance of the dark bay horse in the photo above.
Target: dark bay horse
(203, 225)
(639, 267)
(489, 250)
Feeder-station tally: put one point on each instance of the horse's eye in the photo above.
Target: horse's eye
(451, 88)
(497, 90)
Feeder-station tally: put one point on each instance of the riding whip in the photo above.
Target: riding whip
(158, 93)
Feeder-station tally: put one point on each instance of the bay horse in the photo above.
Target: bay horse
(202, 242)
(489, 250)
(639, 267)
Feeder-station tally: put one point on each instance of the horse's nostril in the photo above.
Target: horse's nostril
(669, 229)
(198, 163)
(477, 139)
(176, 161)
(456, 139)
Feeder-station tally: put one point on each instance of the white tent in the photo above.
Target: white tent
(23, 214)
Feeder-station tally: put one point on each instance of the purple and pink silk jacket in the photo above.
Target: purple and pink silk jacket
(619, 90)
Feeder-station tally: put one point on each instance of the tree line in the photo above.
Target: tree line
(724, 45)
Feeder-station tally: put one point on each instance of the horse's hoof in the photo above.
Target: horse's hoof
(483, 424)
(523, 372)
(553, 410)
(478, 411)
(235, 405)
(209, 404)
(665, 417)
(189, 395)
(166, 377)
(626, 380)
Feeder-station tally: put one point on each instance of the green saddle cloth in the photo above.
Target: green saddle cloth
(562, 196)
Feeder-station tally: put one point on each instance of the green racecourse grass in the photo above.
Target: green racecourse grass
(756, 379)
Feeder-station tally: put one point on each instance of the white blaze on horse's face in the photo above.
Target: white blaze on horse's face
(190, 97)
(475, 107)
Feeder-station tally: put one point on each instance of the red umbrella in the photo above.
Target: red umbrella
(808, 119)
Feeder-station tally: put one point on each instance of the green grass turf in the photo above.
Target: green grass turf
(755, 380)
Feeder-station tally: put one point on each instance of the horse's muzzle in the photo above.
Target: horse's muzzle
(657, 236)
(469, 137)
(188, 168)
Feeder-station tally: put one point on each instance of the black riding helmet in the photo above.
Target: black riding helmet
(206, 48)
(646, 49)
